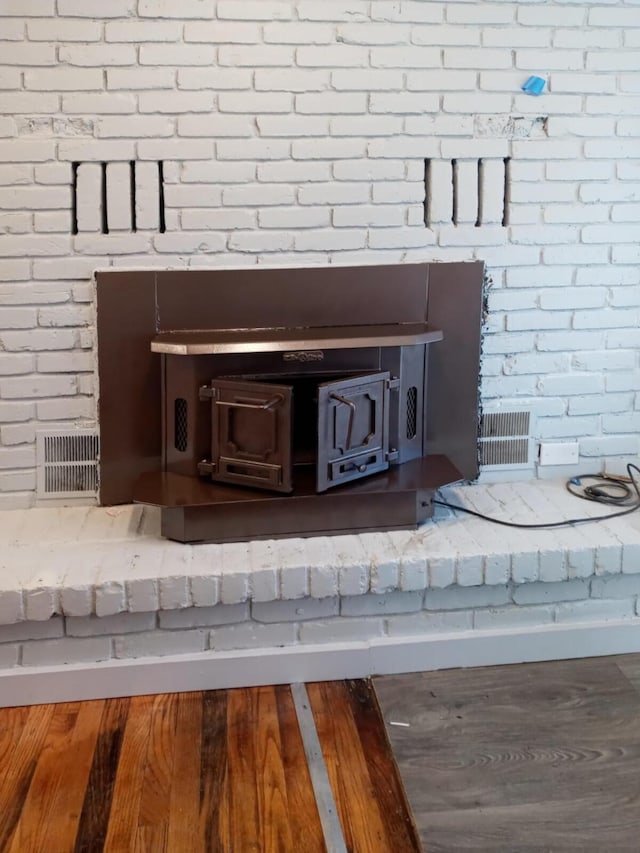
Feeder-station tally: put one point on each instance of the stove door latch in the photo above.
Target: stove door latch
(206, 469)
(206, 392)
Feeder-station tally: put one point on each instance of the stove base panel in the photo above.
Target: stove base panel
(196, 511)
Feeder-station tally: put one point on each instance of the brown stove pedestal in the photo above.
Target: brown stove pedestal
(288, 402)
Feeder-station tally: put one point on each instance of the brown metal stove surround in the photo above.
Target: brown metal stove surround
(380, 317)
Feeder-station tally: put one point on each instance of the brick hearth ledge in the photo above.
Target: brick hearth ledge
(93, 601)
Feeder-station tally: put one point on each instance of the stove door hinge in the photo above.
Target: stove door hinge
(206, 392)
(393, 383)
(205, 468)
(391, 455)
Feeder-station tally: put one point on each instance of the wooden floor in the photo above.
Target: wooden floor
(521, 759)
(213, 771)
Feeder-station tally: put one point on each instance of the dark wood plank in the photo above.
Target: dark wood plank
(306, 830)
(243, 806)
(385, 778)
(92, 828)
(362, 823)
(529, 758)
(213, 770)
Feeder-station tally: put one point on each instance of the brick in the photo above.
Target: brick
(32, 386)
(372, 605)
(175, 102)
(340, 630)
(141, 31)
(254, 102)
(135, 126)
(594, 611)
(25, 150)
(293, 125)
(176, 54)
(337, 56)
(140, 78)
(204, 617)
(253, 149)
(288, 80)
(255, 10)
(251, 635)
(213, 78)
(458, 598)
(66, 650)
(22, 631)
(429, 623)
(110, 599)
(32, 8)
(615, 586)
(93, 9)
(120, 623)
(159, 643)
(543, 593)
(11, 609)
(62, 79)
(291, 33)
(295, 611)
(77, 601)
(30, 54)
(512, 617)
(102, 55)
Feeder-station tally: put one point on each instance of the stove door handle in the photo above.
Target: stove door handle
(352, 411)
(273, 403)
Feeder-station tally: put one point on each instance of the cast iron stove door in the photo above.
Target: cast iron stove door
(353, 429)
(251, 434)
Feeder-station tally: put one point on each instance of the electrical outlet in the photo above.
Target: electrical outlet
(559, 453)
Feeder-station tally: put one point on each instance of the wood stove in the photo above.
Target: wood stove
(277, 402)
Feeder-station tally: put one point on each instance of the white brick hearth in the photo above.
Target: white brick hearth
(94, 602)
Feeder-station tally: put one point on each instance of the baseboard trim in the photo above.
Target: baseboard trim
(326, 662)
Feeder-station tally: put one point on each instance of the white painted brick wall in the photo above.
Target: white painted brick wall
(296, 132)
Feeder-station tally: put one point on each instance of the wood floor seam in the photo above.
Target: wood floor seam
(325, 801)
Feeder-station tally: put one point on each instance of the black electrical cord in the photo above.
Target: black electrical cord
(601, 489)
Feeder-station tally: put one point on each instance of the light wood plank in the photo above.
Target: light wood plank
(20, 765)
(74, 759)
(273, 802)
(153, 818)
(183, 832)
(53, 765)
(243, 806)
(362, 824)
(306, 829)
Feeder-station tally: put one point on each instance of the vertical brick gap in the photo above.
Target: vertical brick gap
(480, 191)
(74, 198)
(162, 223)
(507, 188)
(427, 193)
(132, 194)
(103, 198)
(455, 175)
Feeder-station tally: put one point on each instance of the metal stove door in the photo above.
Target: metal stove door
(251, 434)
(353, 429)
